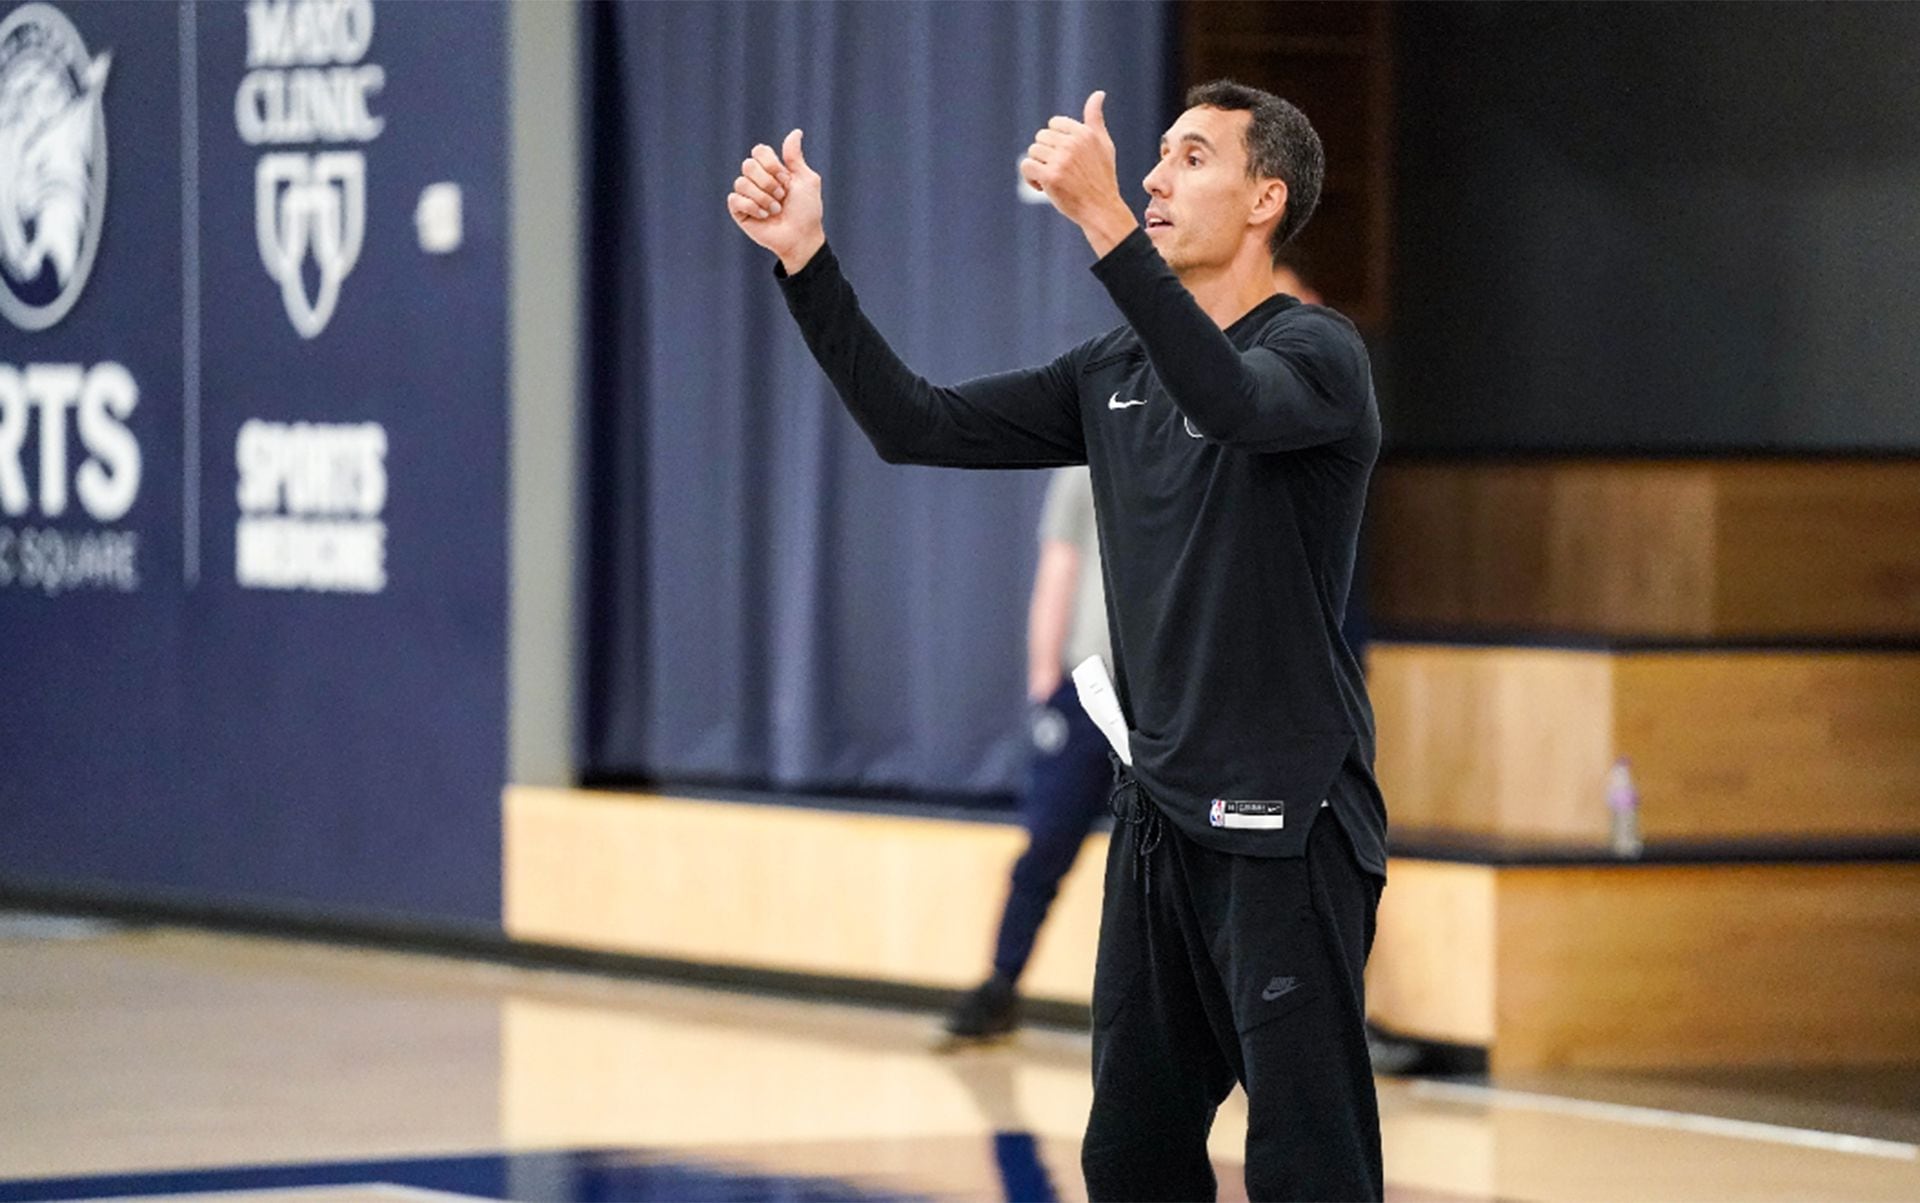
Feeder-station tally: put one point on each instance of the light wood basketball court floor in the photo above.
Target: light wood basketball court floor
(151, 1061)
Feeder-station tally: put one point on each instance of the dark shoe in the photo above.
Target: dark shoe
(990, 1011)
(1399, 1056)
(1391, 1055)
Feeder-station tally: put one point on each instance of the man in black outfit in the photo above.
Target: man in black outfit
(1230, 431)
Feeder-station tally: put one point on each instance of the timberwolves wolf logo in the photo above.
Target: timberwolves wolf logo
(310, 205)
(53, 164)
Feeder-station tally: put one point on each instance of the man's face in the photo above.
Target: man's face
(1200, 198)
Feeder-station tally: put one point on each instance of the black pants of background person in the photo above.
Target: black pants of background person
(1067, 784)
(1215, 968)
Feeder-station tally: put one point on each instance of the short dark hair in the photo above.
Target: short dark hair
(1281, 145)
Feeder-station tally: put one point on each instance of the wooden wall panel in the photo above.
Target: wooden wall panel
(1618, 966)
(1660, 550)
(1494, 742)
(1622, 549)
(1432, 971)
(1709, 965)
(1819, 548)
(1516, 743)
(1786, 744)
(876, 897)
(1651, 966)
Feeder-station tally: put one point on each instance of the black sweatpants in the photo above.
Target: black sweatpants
(1215, 968)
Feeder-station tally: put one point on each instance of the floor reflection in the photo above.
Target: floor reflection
(134, 1064)
(567, 1176)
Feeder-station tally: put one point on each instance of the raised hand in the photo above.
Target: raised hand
(1072, 162)
(776, 202)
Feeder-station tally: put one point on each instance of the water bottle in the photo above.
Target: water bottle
(1623, 803)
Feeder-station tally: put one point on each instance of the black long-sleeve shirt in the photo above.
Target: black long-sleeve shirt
(1230, 471)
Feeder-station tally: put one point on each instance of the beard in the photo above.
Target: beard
(1177, 257)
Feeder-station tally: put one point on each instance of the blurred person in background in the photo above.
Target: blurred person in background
(1230, 432)
(1290, 277)
(1069, 776)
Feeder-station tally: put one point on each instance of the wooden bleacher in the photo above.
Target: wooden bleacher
(1674, 613)
(1736, 551)
(1748, 635)
(1724, 745)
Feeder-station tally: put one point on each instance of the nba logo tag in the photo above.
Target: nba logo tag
(1217, 813)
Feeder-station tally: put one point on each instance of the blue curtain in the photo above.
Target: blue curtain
(769, 604)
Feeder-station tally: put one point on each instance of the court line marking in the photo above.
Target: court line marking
(1654, 1117)
(336, 1190)
(394, 1191)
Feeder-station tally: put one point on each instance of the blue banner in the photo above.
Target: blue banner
(253, 452)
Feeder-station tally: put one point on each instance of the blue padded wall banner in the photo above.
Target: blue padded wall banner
(769, 603)
(253, 454)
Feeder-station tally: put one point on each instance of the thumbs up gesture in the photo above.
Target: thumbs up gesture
(1072, 162)
(776, 202)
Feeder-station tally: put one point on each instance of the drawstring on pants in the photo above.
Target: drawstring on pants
(1130, 805)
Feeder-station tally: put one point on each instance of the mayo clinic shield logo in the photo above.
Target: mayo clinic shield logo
(53, 164)
(311, 206)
